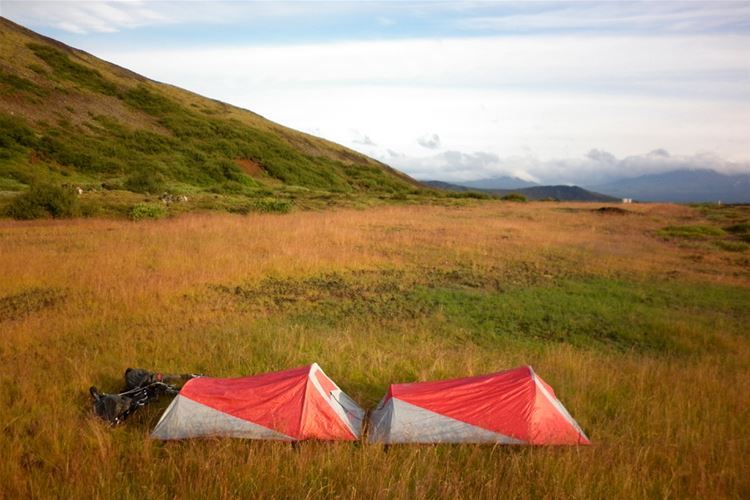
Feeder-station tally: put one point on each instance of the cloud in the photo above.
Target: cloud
(609, 17)
(385, 21)
(437, 18)
(85, 17)
(595, 167)
(459, 166)
(107, 16)
(429, 141)
(364, 140)
(698, 66)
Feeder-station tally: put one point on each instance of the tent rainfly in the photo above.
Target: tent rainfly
(290, 405)
(509, 407)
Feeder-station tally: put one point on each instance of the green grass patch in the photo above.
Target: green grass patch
(588, 313)
(13, 84)
(697, 232)
(600, 313)
(63, 67)
(732, 246)
(143, 211)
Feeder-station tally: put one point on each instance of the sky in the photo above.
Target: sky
(551, 92)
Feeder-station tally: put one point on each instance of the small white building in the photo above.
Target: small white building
(627, 200)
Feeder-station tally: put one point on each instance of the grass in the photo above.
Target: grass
(643, 340)
(726, 227)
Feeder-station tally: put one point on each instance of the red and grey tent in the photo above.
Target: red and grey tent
(509, 407)
(291, 405)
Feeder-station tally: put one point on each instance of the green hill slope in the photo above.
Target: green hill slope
(69, 118)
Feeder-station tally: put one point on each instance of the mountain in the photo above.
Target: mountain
(67, 117)
(682, 186)
(558, 193)
(504, 182)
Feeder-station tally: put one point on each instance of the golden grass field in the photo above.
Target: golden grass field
(644, 338)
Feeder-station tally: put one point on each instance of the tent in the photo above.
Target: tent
(290, 405)
(509, 407)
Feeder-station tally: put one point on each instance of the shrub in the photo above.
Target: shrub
(144, 181)
(14, 130)
(22, 84)
(743, 227)
(148, 101)
(44, 200)
(147, 211)
(517, 197)
(271, 205)
(63, 67)
(476, 195)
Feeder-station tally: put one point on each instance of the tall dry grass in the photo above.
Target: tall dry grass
(140, 294)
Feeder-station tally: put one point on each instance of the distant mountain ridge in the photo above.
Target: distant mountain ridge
(559, 193)
(681, 186)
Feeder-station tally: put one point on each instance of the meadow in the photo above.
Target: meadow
(638, 319)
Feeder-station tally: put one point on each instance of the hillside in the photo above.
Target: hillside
(69, 118)
(557, 193)
(683, 186)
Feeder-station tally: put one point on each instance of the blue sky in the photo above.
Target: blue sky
(564, 92)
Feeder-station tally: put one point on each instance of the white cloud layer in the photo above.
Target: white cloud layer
(83, 17)
(665, 17)
(429, 141)
(92, 16)
(595, 167)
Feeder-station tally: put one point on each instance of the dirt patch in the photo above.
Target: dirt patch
(251, 167)
(27, 302)
(612, 211)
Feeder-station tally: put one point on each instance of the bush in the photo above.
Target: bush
(147, 211)
(15, 131)
(515, 197)
(44, 200)
(270, 205)
(741, 228)
(63, 67)
(145, 181)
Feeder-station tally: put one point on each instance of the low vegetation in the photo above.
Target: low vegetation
(147, 211)
(44, 200)
(514, 197)
(724, 226)
(642, 337)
